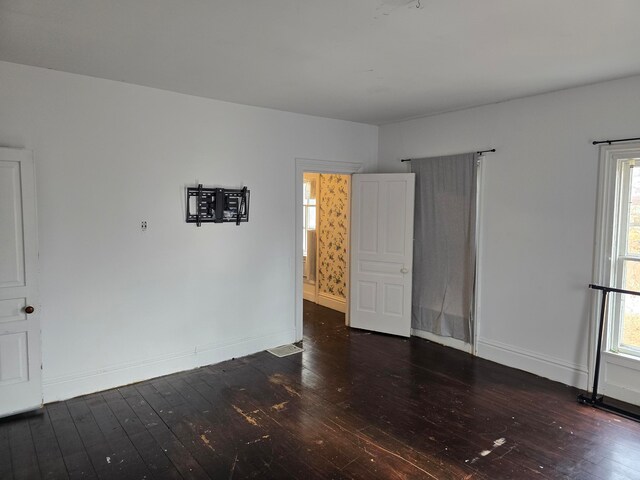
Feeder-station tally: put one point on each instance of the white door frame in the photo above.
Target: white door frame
(315, 166)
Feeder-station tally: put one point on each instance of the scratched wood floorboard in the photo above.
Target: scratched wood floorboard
(353, 405)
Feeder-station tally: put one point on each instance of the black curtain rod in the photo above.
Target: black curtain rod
(599, 142)
(480, 152)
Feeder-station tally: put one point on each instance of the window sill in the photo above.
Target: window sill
(622, 359)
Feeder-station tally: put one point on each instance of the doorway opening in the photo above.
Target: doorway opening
(322, 275)
(325, 239)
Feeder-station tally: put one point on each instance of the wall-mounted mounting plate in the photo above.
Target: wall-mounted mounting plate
(217, 205)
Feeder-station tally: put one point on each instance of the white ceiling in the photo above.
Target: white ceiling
(372, 61)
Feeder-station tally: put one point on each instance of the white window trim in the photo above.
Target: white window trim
(606, 221)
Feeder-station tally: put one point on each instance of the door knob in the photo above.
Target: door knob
(29, 309)
(404, 270)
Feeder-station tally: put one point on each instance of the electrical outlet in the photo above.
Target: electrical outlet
(143, 225)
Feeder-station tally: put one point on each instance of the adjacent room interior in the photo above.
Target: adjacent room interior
(325, 239)
(338, 239)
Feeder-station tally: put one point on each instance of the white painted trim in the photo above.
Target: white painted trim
(446, 341)
(81, 383)
(332, 301)
(310, 165)
(347, 258)
(540, 364)
(604, 211)
(309, 291)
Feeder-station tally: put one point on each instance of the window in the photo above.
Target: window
(624, 328)
(617, 265)
(308, 209)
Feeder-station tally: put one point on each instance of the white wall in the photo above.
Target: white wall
(538, 214)
(119, 305)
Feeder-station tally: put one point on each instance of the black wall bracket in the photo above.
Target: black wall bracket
(217, 205)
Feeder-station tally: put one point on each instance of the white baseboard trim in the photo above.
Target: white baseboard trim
(332, 301)
(537, 363)
(309, 292)
(76, 384)
(446, 341)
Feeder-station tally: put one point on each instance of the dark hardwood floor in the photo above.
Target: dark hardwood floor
(353, 405)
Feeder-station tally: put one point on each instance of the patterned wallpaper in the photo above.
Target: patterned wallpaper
(333, 234)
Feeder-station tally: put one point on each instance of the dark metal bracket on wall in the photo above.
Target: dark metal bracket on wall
(595, 400)
(217, 205)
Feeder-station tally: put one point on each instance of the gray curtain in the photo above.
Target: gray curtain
(444, 255)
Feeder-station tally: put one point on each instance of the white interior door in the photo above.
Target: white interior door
(382, 252)
(20, 364)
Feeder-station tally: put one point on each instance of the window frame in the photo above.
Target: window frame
(620, 255)
(611, 241)
(307, 204)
